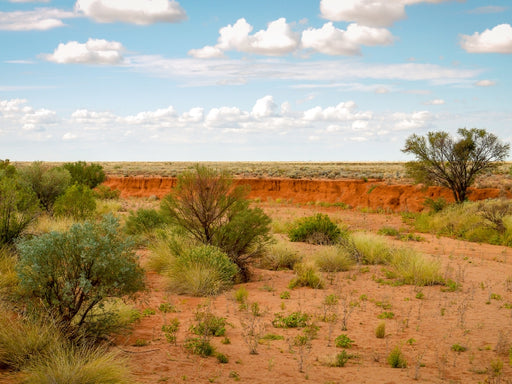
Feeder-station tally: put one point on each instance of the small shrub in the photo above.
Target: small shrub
(389, 231)
(343, 341)
(208, 324)
(104, 192)
(396, 358)
(367, 248)
(380, 331)
(241, 296)
(333, 259)
(414, 268)
(170, 330)
(199, 346)
(318, 229)
(458, 348)
(293, 320)
(143, 221)
(272, 337)
(341, 359)
(435, 205)
(222, 358)
(386, 315)
(77, 202)
(90, 175)
(279, 256)
(306, 276)
(285, 295)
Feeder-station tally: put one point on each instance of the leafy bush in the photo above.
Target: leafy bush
(74, 272)
(104, 192)
(341, 359)
(47, 182)
(18, 205)
(201, 271)
(199, 346)
(84, 364)
(81, 173)
(333, 259)
(205, 204)
(208, 324)
(436, 205)
(396, 358)
(77, 202)
(306, 276)
(317, 229)
(144, 221)
(293, 320)
(279, 256)
(343, 341)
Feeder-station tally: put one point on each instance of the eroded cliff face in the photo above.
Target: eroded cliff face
(374, 194)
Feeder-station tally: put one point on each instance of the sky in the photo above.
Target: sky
(248, 80)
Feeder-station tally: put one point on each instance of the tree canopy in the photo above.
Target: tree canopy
(443, 160)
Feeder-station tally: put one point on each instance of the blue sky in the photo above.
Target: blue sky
(323, 80)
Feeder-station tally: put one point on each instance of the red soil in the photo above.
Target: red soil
(374, 194)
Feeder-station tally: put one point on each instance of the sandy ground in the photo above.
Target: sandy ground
(478, 316)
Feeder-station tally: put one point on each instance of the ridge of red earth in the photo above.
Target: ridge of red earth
(373, 194)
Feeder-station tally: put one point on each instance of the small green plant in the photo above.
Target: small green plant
(293, 320)
(451, 286)
(208, 324)
(396, 358)
(318, 229)
(167, 308)
(386, 315)
(458, 348)
(272, 337)
(141, 343)
(146, 312)
(435, 205)
(222, 358)
(420, 295)
(343, 341)
(104, 192)
(380, 330)
(285, 295)
(199, 346)
(410, 341)
(170, 330)
(225, 340)
(241, 295)
(234, 375)
(341, 359)
(306, 276)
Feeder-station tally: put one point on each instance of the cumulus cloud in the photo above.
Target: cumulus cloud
(412, 121)
(495, 40)
(278, 39)
(435, 102)
(264, 107)
(141, 12)
(94, 51)
(334, 41)
(345, 111)
(19, 113)
(41, 19)
(374, 13)
(485, 83)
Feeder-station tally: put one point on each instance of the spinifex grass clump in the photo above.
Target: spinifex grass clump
(368, 248)
(279, 256)
(317, 229)
(306, 276)
(333, 259)
(413, 268)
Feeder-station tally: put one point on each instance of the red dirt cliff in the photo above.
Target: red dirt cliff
(374, 194)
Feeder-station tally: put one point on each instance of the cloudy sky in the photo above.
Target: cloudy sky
(150, 80)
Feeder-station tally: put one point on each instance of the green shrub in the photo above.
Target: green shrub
(388, 231)
(222, 358)
(293, 320)
(77, 202)
(18, 205)
(380, 331)
(104, 192)
(333, 259)
(386, 315)
(458, 348)
(70, 364)
(90, 175)
(203, 270)
(71, 273)
(436, 205)
(199, 346)
(396, 358)
(343, 341)
(205, 204)
(208, 324)
(317, 229)
(47, 183)
(143, 221)
(279, 256)
(341, 359)
(306, 276)
(170, 330)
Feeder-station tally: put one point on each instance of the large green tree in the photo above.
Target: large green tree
(454, 163)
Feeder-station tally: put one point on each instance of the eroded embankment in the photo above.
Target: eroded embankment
(374, 194)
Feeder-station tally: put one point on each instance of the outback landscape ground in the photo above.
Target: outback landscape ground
(460, 332)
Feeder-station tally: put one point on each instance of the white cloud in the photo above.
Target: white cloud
(17, 112)
(496, 40)
(334, 41)
(41, 19)
(278, 39)
(373, 13)
(435, 102)
(141, 12)
(345, 111)
(264, 107)
(94, 51)
(413, 121)
(485, 83)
